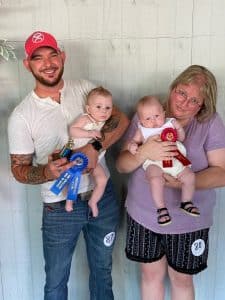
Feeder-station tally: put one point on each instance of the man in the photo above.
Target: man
(38, 127)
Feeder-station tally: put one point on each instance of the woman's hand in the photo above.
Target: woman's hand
(132, 147)
(155, 149)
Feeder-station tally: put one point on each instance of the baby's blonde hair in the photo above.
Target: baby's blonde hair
(98, 91)
(147, 100)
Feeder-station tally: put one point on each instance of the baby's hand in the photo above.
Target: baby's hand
(95, 134)
(132, 147)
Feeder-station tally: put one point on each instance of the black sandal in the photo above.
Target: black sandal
(190, 209)
(163, 215)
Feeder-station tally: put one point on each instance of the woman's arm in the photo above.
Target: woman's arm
(214, 175)
(209, 178)
(153, 149)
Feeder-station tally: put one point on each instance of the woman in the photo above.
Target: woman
(181, 248)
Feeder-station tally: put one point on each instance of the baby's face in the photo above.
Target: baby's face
(100, 107)
(151, 116)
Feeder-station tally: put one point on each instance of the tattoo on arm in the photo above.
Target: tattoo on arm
(110, 125)
(24, 171)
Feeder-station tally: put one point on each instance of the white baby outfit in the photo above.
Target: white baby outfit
(177, 165)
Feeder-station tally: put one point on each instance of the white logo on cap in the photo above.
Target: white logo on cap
(109, 238)
(198, 247)
(38, 37)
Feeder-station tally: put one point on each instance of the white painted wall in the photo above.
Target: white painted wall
(133, 47)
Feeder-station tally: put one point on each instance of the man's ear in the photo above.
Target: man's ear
(63, 55)
(26, 64)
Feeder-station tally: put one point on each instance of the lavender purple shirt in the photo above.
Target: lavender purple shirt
(200, 139)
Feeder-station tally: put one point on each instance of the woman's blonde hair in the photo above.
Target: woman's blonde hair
(206, 80)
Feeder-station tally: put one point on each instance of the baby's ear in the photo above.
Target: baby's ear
(87, 108)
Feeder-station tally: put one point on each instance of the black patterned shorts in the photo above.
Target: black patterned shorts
(186, 252)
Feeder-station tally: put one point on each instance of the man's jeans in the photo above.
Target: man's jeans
(60, 233)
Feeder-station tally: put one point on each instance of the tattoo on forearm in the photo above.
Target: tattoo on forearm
(36, 175)
(110, 125)
(25, 172)
(21, 159)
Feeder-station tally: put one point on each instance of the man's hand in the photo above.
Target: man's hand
(55, 168)
(24, 171)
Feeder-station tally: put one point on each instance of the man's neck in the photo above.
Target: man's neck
(43, 91)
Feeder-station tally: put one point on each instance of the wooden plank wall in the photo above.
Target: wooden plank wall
(133, 47)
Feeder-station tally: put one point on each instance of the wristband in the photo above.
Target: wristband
(96, 145)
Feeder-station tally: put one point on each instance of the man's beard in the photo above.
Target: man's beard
(47, 82)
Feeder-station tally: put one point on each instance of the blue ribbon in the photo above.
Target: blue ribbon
(71, 177)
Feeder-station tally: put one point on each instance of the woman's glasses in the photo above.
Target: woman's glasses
(192, 102)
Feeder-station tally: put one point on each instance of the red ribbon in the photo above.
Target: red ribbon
(170, 134)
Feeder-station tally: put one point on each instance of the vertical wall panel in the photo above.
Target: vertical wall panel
(114, 71)
(165, 60)
(217, 15)
(201, 50)
(112, 18)
(16, 18)
(183, 15)
(202, 21)
(138, 56)
(166, 17)
(86, 18)
(181, 54)
(139, 18)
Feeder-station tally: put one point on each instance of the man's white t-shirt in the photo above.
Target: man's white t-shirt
(40, 126)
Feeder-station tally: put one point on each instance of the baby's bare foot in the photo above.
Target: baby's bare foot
(69, 206)
(94, 208)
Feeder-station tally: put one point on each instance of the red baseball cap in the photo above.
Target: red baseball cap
(39, 39)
